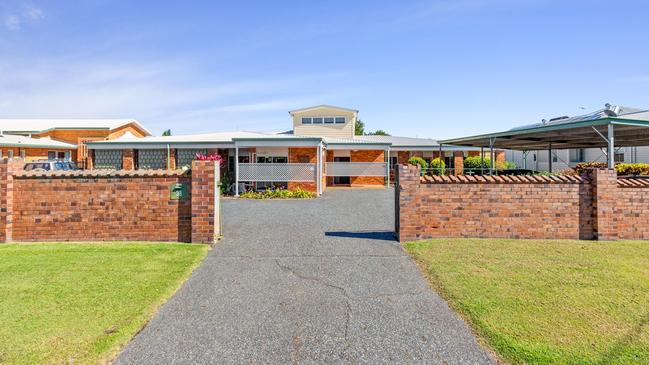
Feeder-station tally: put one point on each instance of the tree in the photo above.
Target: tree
(166, 133)
(360, 128)
(378, 132)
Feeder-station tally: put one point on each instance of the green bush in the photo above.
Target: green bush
(423, 165)
(476, 162)
(437, 166)
(278, 194)
(622, 169)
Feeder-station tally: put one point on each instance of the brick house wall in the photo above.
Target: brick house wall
(601, 206)
(100, 205)
(303, 155)
(367, 156)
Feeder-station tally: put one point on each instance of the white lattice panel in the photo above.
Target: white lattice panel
(356, 169)
(277, 172)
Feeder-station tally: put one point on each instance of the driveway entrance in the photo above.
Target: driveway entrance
(307, 281)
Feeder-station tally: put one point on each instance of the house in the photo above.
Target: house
(320, 151)
(37, 139)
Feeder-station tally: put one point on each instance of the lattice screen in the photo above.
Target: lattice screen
(151, 159)
(108, 159)
(277, 172)
(186, 156)
(356, 169)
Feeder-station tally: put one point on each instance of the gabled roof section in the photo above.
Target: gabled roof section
(321, 106)
(9, 140)
(44, 125)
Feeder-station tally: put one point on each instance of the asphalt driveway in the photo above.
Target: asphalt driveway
(318, 281)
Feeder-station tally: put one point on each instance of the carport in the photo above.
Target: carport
(610, 128)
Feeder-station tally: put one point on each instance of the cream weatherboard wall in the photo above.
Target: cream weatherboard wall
(345, 130)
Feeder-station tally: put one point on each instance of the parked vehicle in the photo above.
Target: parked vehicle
(51, 165)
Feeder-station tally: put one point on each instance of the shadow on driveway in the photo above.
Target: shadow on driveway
(370, 235)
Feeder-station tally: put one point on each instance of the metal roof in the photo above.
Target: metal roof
(291, 112)
(631, 129)
(41, 125)
(9, 140)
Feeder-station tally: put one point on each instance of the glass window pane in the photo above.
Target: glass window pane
(306, 120)
(340, 120)
(329, 120)
(317, 120)
(51, 155)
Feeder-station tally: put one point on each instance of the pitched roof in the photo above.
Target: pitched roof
(41, 125)
(291, 112)
(396, 141)
(9, 140)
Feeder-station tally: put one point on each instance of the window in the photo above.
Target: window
(394, 161)
(340, 120)
(577, 155)
(317, 120)
(554, 157)
(22, 153)
(306, 121)
(328, 120)
(51, 155)
(323, 120)
(619, 156)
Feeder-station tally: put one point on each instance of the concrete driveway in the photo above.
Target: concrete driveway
(318, 281)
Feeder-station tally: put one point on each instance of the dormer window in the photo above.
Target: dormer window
(323, 120)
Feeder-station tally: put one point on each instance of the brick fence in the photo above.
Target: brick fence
(602, 206)
(108, 205)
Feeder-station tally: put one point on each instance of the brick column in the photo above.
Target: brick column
(407, 203)
(604, 199)
(171, 164)
(458, 162)
(128, 159)
(90, 160)
(7, 168)
(205, 219)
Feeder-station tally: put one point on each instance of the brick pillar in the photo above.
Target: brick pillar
(128, 159)
(205, 219)
(458, 162)
(90, 160)
(407, 203)
(604, 193)
(500, 158)
(171, 164)
(7, 168)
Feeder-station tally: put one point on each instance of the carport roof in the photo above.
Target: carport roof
(631, 129)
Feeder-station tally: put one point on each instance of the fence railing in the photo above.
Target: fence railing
(356, 169)
(277, 172)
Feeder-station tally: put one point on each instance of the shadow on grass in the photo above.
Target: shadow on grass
(371, 235)
(618, 348)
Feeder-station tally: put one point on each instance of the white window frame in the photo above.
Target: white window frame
(334, 117)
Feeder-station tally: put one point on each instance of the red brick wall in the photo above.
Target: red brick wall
(367, 156)
(632, 209)
(508, 207)
(303, 155)
(99, 206)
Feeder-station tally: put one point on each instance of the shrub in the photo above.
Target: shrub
(622, 169)
(476, 162)
(415, 160)
(278, 194)
(437, 166)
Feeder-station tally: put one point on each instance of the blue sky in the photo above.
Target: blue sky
(436, 69)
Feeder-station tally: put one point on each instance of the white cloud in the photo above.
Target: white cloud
(12, 22)
(34, 13)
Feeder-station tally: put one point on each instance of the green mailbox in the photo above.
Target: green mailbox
(178, 191)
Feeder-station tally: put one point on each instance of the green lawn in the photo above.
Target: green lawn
(539, 302)
(79, 303)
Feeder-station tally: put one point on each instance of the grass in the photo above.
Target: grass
(80, 303)
(540, 302)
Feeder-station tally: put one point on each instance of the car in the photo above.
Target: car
(51, 165)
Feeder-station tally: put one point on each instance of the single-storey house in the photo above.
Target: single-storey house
(321, 150)
(61, 139)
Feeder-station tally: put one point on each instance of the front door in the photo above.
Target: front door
(342, 180)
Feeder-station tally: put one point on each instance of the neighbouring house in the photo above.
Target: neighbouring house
(62, 139)
(320, 151)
